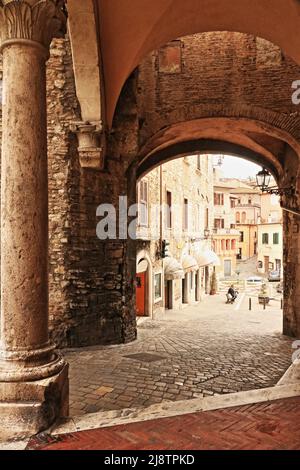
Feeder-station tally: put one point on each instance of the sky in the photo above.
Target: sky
(236, 167)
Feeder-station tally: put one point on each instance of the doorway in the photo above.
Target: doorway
(267, 264)
(197, 286)
(141, 294)
(169, 295)
(227, 267)
(185, 289)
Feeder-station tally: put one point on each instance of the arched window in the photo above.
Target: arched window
(227, 244)
(244, 216)
(233, 244)
(238, 217)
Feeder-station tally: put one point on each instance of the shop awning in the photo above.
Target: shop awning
(173, 269)
(189, 263)
(206, 258)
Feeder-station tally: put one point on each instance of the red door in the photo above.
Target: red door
(141, 294)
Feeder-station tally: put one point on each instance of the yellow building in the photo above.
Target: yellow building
(247, 245)
(247, 214)
(270, 233)
(225, 236)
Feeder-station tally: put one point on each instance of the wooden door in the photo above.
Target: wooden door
(168, 295)
(267, 262)
(141, 294)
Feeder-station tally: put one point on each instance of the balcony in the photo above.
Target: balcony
(226, 231)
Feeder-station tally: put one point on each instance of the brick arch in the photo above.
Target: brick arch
(127, 38)
(261, 141)
(204, 146)
(280, 125)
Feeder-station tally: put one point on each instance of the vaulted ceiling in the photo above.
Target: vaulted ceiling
(127, 30)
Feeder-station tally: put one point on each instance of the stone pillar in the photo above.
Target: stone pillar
(33, 376)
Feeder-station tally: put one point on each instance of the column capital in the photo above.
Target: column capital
(92, 143)
(32, 20)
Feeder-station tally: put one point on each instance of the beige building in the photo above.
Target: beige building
(270, 233)
(226, 236)
(175, 258)
(247, 214)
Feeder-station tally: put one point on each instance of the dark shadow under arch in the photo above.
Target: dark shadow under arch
(202, 146)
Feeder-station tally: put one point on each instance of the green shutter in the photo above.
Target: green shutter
(275, 238)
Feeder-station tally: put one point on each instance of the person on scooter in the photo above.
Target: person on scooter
(231, 294)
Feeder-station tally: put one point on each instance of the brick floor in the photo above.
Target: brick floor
(202, 350)
(265, 426)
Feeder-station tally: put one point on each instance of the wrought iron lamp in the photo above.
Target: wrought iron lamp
(263, 179)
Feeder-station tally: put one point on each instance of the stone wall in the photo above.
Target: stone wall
(91, 287)
(217, 74)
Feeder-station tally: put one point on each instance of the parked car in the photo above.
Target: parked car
(274, 276)
(254, 279)
(279, 288)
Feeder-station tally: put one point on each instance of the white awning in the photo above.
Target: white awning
(189, 263)
(142, 266)
(173, 269)
(207, 257)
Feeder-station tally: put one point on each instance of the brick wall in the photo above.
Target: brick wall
(222, 74)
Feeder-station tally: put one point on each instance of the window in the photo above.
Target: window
(238, 217)
(169, 210)
(239, 201)
(233, 245)
(185, 214)
(143, 203)
(232, 226)
(265, 238)
(219, 199)
(219, 223)
(232, 203)
(241, 236)
(170, 58)
(250, 201)
(244, 216)
(227, 244)
(275, 238)
(157, 286)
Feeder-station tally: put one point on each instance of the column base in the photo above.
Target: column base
(27, 408)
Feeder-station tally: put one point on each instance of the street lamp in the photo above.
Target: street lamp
(263, 179)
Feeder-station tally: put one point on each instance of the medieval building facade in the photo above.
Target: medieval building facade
(174, 256)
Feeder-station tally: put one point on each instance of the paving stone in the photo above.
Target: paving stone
(209, 355)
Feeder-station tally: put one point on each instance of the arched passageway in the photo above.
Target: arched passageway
(158, 22)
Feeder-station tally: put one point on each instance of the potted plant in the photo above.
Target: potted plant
(263, 296)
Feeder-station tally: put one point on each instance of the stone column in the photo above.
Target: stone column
(33, 377)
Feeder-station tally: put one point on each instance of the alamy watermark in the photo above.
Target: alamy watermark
(296, 93)
(123, 222)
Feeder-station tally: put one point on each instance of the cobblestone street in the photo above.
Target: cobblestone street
(212, 348)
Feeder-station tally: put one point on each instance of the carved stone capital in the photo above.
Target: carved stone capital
(32, 20)
(91, 144)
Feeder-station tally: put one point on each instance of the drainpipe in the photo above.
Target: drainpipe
(161, 230)
(161, 203)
